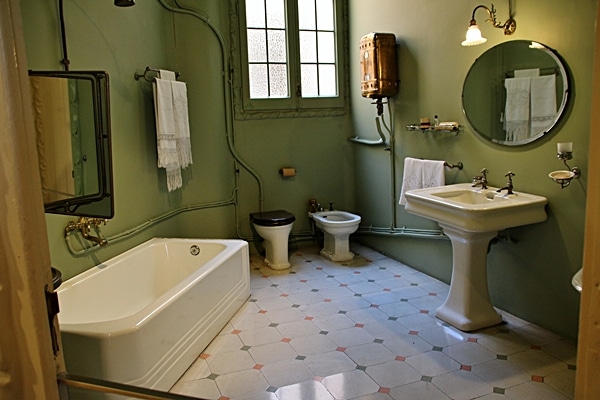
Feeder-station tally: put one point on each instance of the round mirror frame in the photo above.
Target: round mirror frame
(487, 75)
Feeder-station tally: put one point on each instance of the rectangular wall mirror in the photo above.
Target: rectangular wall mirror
(72, 123)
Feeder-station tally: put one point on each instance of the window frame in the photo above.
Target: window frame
(294, 105)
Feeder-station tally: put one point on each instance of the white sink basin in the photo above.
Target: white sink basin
(476, 210)
(471, 217)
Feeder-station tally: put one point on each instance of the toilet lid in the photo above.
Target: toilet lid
(272, 218)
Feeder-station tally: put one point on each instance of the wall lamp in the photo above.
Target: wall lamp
(474, 33)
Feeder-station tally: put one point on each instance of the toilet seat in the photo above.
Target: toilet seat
(272, 218)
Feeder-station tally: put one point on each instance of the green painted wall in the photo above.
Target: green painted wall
(530, 277)
(123, 41)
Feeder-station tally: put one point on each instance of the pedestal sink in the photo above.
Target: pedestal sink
(471, 217)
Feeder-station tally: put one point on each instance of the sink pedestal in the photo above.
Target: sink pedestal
(468, 306)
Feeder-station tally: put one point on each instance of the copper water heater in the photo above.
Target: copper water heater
(379, 71)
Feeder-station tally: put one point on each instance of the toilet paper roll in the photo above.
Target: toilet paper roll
(287, 172)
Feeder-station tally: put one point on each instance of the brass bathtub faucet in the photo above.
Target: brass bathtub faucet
(84, 225)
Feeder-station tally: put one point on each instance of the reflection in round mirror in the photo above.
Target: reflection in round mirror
(515, 92)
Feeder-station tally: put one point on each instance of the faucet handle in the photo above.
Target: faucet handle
(509, 175)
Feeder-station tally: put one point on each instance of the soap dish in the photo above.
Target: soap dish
(562, 177)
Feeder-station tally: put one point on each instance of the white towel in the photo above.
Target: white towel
(527, 73)
(543, 103)
(172, 127)
(166, 143)
(182, 127)
(167, 75)
(421, 174)
(516, 113)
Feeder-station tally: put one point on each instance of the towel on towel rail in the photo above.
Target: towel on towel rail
(421, 174)
(172, 127)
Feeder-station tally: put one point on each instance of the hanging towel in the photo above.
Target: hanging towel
(516, 113)
(527, 73)
(167, 75)
(168, 155)
(421, 174)
(182, 127)
(543, 103)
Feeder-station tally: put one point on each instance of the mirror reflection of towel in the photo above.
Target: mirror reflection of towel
(421, 174)
(516, 113)
(543, 103)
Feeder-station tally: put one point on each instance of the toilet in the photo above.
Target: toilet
(337, 226)
(274, 227)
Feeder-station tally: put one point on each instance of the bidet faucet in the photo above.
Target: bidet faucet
(509, 184)
(481, 180)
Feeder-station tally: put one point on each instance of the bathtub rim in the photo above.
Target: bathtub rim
(131, 323)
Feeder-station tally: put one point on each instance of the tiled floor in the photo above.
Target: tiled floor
(365, 329)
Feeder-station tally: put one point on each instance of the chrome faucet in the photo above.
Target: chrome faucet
(481, 180)
(84, 225)
(509, 184)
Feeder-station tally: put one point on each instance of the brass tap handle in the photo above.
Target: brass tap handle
(509, 175)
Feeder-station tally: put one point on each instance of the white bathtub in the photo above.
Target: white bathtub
(143, 317)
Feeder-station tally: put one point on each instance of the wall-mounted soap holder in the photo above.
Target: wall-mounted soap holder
(564, 177)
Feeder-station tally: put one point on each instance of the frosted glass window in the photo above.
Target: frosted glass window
(310, 77)
(259, 81)
(278, 80)
(308, 47)
(255, 14)
(275, 14)
(307, 14)
(325, 15)
(318, 48)
(326, 47)
(277, 46)
(327, 81)
(257, 46)
(291, 64)
(267, 48)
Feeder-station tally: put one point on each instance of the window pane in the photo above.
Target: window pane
(278, 80)
(309, 77)
(308, 47)
(327, 81)
(258, 81)
(306, 14)
(277, 46)
(326, 47)
(275, 14)
(325, 15)
(255, 13)
(257, 45)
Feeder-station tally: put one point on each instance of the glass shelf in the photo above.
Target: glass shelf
(417, 128)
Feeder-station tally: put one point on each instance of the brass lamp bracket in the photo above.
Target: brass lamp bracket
(509, 27)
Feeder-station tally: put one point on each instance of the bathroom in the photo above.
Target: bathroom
(529, 274)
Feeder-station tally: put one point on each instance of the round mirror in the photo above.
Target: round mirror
(515, 92)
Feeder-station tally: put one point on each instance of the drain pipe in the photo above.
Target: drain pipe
(393, 230)
(227, 95)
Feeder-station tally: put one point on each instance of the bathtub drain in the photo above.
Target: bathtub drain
(194, 250)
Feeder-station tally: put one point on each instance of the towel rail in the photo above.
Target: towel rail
(148, 70)
(543, 71)
(458, 165)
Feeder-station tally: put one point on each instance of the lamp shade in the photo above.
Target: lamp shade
(473, 36)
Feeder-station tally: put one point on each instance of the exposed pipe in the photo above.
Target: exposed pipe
(149, 223)
(63, 36)
(227, 92)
